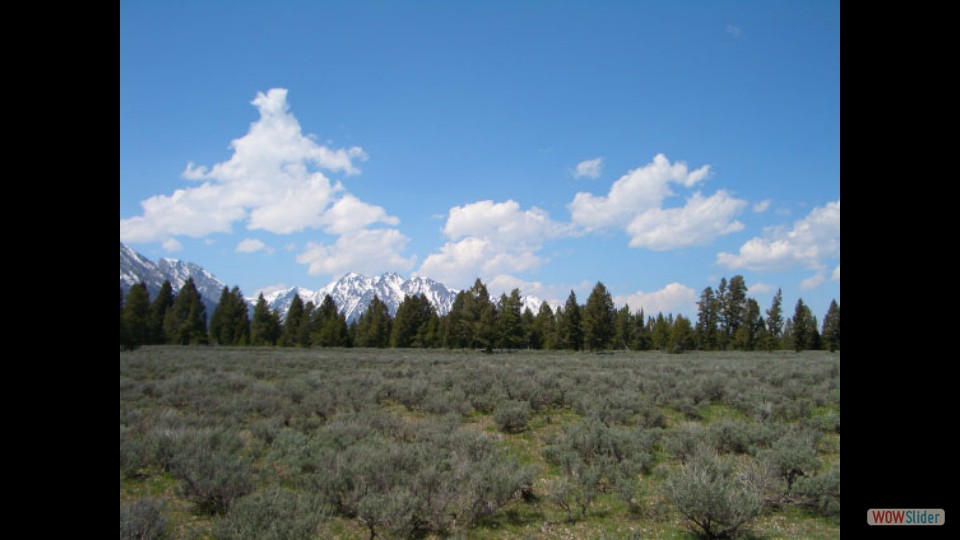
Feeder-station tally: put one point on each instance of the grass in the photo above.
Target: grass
(190, 387)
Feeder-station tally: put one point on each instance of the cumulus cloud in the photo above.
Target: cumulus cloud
(835, 276)
(591, 168)
(487, 239)
(808, 244)
(761, 288)
(761, 206)
(812, 282)
(673, 298)
(273, 181)
(172, 245)
(366, 251)
(251, 245)
(350, 213)
(698, 222)
(635, 203)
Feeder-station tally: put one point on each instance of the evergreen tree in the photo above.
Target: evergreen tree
(786, 339)
(265, 327)
(570, 329)
(660, 332)
(545, 326)
(185, 323)
(123, 333)
(230, 324)
(751, 329)
(802, 323)
(831, 327)
(291, 323)
(721, 298)
(597, 318)
(733, 309)
(373, 328)
(707, 319)
(413, 313)
(681, 335)
(510, 321)
(623, 328)
(136, 317)
(158, 310)
(328, 325)
(642, 340)
(486, 334)
(775, 322)
(306, 320)
(531, 334)
(456, 333)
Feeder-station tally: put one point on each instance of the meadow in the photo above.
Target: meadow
(270, 443)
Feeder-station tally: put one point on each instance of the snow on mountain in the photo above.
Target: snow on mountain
(135, 268)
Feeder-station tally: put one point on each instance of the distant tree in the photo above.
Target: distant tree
(642, 340)
(660, 331)
(291, 323)
(546, 326)
(303, 332)
(265, 327)
(373, 328)
(803, 321)
(786, 339)
(532, 339)
(122, 331)
(623, 328)
(751, 328)
(229, 323)
(733, 309)
(136, 317)
(775, 322)
(328, 327)
(721, 298)
(831, 327)
(597, 318)
(570, 329)
(185, 323)
(681, 335)
(413, 313)
(158, 310)
(510, 320)
(707, 319)
(486, 329)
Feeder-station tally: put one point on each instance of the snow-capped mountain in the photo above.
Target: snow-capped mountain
(353, 293)
(135, 268)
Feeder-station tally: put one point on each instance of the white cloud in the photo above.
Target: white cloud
(812, 282)
(350, 214)
(366, 251)
(673, 298)
(761, 288)
(252, 245)
(734, 31)
(810, 242)
(835, 276)
(269, 289)
(701, 220)
(487, 239)
(635, 204)
(591, 168)
(172, 245)
(761, 206)
(272, 182)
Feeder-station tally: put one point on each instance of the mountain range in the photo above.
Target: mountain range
(352, 292)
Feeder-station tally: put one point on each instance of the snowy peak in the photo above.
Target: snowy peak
(135, 268)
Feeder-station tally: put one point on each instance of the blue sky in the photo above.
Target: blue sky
(654, 146)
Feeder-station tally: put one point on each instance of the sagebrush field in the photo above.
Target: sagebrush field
(273, 443)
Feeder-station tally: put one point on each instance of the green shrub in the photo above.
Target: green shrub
(272, 514)
(512, 416)
(821, 492)
(713, 502)
(212, 480)
(143, 520)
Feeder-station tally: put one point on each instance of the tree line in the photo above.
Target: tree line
(727, 319)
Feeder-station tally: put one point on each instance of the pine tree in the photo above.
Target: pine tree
(733, 309)
(597, 318)
(623, 328)
(265, 327)
(531, 334)
(486, 335)
(681, 335)
(545, 326)
(746, 338)
(328, 325)
(373, 328)
(291, 323)
(136, 317)
(413, 313)
(775, 322)
(570, 329)
(510, 321)
(230, 324)
(303, 332)
(158, 310)
(641, 335)
(123, 333)
(831, 327)
(721, 298)
(217, 319)
(185, 323)
(803, 320)
(660, 332)
(707, 318)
